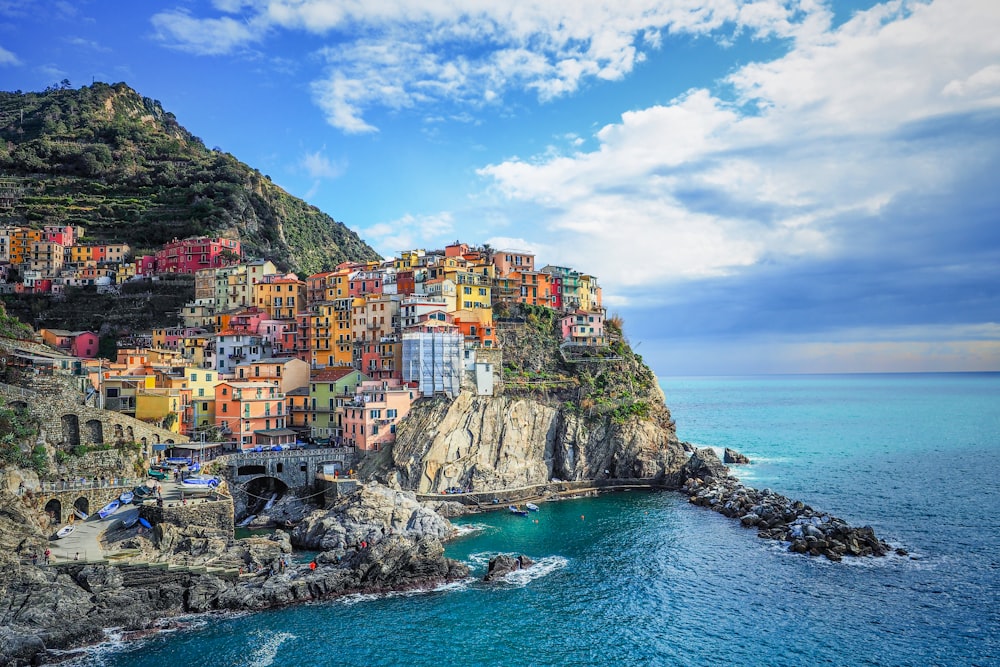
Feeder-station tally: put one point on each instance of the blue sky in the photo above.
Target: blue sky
(762, 187)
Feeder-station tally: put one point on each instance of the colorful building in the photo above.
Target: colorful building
(250, 412)
(192, 254)
(329, 390)
(370, 418)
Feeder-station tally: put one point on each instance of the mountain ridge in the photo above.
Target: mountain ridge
(118, 164)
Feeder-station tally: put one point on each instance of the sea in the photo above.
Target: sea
(645, 578)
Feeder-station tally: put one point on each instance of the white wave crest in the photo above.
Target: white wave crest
(264, 655)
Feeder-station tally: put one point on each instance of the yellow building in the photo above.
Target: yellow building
(280, 297)
(322, 321)
(199, 398)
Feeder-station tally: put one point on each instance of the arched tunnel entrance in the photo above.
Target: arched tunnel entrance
(54, 509)
(83, 505)
(260, 490)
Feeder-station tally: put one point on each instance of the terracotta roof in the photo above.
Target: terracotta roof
(330, 374)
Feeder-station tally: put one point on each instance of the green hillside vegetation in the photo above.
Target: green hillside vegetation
(596, 382)
(119, 165)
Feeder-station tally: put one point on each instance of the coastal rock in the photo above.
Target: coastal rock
(733, 457)
(447, 508)
(369, 515)
(779, 518)
(503, 564)
(704, 464)
(498, 442)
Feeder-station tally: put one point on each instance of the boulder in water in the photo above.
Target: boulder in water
(503, 564)
(733, 457)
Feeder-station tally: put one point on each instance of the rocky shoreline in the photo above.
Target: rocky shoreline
(373, 541)
(776, 517)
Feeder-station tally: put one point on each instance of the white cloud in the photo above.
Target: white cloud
(8, 58)
(703, 186)
(400, 53)
(319, 166)
(410, 231)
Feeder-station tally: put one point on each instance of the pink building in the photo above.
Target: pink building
(370, 419)
(507, 261)
(194, 254)
(363, 283)
(84, 345)
(583, 328)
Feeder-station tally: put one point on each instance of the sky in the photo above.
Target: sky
(761, 187)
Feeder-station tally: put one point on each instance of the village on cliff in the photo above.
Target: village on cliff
(263, 360)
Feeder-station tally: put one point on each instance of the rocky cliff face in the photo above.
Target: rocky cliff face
(497, 442)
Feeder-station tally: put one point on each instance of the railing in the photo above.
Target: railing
(240, 457)
(83, 484)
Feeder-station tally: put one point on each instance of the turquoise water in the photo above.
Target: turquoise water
(646, 579)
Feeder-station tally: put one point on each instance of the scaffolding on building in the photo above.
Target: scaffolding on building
(434, 361)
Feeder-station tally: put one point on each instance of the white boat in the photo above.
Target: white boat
(200, 484)
(64, 531)
(109, 509)
(126, 497)
(514, 509)
(80, 514)
(194, 467)
(270, 503)
(532, 507)
(247, 521)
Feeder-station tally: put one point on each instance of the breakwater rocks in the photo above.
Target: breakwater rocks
(779, 518)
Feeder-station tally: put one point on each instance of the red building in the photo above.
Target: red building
(194, 254)
(84, 345)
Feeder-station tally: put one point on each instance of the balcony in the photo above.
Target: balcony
(237, 356)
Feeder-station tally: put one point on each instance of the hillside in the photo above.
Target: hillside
(121, 166)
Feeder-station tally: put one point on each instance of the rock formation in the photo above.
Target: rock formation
(502, 565)
(733, 457)
(775, 516)
(497, 442)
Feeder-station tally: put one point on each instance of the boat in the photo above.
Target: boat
(80, 514)
(178, 461)
(246, 522)
(144, 523)
(157, 474)
(531, 507)
(130, 520)
(200, 484)
(126, 497)
(270, 502)
(194, 467)
(64, 531)
(109, 509)
(514, 509)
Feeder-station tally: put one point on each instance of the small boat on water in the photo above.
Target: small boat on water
(80, 514)
(200, 484)
(64, 531)
(109, 509)
(126, 497)
(514, 509)
(246, 522)
(531, 507)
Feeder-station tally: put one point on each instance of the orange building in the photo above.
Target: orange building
(252, 412)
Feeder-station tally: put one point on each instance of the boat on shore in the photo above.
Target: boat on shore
(200, 484)
(64, 531)
(126, 497)
(109, 509)
(130, 520)
(514, 509)
(246, 522)
(531, 507)
(80, 514)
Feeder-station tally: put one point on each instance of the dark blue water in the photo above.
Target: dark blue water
(646, 579)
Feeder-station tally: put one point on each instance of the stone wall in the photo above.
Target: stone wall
(215, 515)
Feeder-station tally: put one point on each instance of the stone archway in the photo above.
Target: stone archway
(260, 489)
(71, 430)
(130, 434)
(119, 434)
(54, 509)
(95, 429)
(18, 405)
(82, 504)
(143, 441)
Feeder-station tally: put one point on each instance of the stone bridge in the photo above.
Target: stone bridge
(254, 476)
(59, 499)
(66, 423)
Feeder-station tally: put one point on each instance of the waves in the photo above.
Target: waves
(519, 578)
(267, 647)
